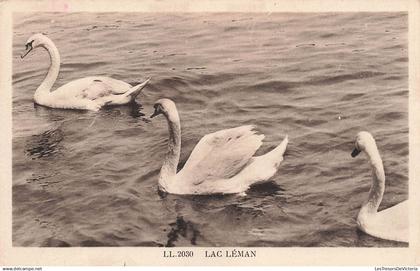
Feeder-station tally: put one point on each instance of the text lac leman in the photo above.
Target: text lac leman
(234, 253)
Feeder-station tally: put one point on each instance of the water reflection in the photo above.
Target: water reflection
(44, 145)
(182, 228)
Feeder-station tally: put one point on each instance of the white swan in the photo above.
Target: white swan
(222, 162)
(89, 93)
(391, 223)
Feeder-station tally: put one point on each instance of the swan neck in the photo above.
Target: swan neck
(47, 84)
(378, 181)
(170, 164)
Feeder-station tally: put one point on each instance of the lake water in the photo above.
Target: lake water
(90, 179)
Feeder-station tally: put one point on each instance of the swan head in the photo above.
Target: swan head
(363, 140)
(35, 41)
(163, 106)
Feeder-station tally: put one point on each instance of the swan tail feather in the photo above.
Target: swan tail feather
(281, 148)
(277, 153)
(134, 91)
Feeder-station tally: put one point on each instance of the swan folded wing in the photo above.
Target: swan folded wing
(97, 89)
(389, 224)
(394, 220)
(221, 155)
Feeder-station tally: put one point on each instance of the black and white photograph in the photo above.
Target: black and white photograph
(210, 129)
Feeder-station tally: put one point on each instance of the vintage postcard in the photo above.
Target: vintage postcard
(209, 133)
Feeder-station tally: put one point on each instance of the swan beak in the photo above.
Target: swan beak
(355, 152)
(155, 114)
(158, 111)
(28, 49)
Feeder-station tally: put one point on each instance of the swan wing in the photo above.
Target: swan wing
(96, 89)
(395, 221)
(391, 223)
(92, 87)
(221, 155)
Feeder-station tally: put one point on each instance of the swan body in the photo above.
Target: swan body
(89, 93)
(221, 162)
(391, 223)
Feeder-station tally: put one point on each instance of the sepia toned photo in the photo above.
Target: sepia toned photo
(203, 131)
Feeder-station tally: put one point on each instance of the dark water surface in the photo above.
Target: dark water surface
(90, 179)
